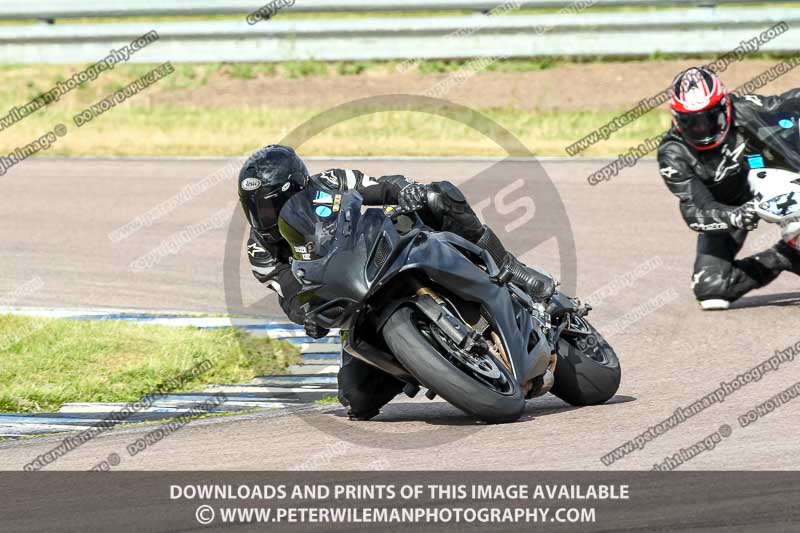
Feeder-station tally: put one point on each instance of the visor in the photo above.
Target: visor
(267, 209)
(263, 210)
(704, 128)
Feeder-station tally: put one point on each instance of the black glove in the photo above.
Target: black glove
(313, 330)
(413, 197)
(744, 217)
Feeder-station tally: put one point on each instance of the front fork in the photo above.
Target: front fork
(471, 337)
(572, 324)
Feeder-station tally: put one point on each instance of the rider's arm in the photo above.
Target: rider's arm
(700, 210)
(270, 266)
(375, 191)
(787, 102)
(383, 190)
(791, 99)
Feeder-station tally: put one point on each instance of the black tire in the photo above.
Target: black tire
(424, 361)
(587, 371)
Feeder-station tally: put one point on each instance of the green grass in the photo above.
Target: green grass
(303, 69)
(328, 400)
(353, 68)
(23, 82)
(172, 130)
(46, 362)
(145, 126)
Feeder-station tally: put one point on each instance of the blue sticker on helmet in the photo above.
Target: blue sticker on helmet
(323, 211)
(755, 161)
(786, 123)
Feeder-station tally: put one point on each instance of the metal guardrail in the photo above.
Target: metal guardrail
(636, 33)
(58, 9)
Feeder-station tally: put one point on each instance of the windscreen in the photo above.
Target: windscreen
(779, 131)
(308, 223)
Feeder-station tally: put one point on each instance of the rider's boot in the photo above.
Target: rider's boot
(363, 389)
(538, 284)
(716, 289)
(791, 253)
(786, 257)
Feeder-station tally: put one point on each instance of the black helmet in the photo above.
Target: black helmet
(267, 180)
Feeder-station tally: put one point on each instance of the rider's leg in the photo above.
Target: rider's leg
(538, 284)
(449, 210)
(288, 289)
(364, 389)
(719, 279)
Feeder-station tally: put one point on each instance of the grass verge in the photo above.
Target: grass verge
(149, 126)
(168, 130)
(328, 400)
(45, 362)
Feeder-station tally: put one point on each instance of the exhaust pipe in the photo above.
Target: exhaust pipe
(548, 379)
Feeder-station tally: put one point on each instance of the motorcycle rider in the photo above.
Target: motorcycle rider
(273, 174)
(715, 139)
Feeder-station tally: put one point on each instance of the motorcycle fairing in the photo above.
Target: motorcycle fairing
(338, 286)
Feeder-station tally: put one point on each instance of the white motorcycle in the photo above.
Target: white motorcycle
(777, 194)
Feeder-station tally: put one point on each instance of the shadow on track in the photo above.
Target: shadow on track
(784, 299)
(440, 413)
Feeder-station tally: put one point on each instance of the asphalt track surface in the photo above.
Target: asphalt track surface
(55, 217)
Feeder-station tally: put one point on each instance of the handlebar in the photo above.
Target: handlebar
(394, 211)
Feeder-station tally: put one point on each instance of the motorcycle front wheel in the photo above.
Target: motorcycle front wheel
(481, 386)
(588, 370)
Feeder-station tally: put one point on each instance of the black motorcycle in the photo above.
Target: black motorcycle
(433, 310)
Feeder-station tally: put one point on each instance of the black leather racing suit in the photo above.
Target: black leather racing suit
(360, 385)
(711, 183)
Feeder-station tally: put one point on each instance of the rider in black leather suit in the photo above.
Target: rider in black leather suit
(704, 159)
(275, 173)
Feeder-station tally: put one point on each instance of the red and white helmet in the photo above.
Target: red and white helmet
(701, 108)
